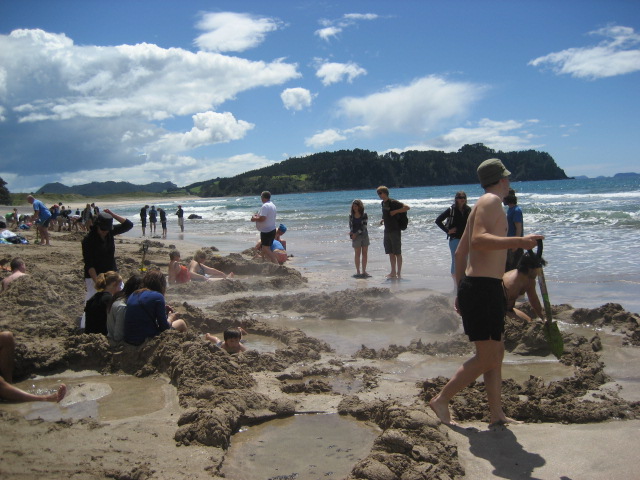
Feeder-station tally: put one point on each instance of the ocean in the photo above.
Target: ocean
(591, 227)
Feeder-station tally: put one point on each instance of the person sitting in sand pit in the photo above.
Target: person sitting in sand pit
(201, 272)
(14, 394)
(178, 273)
(118, 307)
(232, 340)
(18, 269)
(147, 314)
(522, 280)
(107, 285)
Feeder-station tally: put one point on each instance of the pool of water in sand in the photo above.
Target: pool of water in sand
(91, 395)
(302, 446)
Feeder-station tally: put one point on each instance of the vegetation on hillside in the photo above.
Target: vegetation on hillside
(362, 169)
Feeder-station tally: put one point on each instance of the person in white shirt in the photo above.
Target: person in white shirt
(266, 223)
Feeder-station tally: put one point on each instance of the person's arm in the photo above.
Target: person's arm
(161, 313)
(532, 295)
(490, 210)
(441, 218)
(403, 208)
(89, 258)
(195, 276)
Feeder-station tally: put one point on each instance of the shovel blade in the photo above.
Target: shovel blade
(554, 338)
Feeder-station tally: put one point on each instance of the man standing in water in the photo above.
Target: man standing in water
(180, 214)
(266, 223)
(392, 232)
(480, 260)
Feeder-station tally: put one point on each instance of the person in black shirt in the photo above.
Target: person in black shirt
(99, 248)
(143, 219)
(453, 221)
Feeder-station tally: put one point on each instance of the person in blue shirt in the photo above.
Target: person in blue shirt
(41, 217)
(514, 228)
(147, 314)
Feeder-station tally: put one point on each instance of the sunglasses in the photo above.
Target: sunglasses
(461, 198)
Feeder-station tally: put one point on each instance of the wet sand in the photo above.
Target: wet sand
(317, 363)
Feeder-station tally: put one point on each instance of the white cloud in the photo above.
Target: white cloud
(331, 72)
(324, 138)
(208, 128)
(507, 135)
(618, 54)
(69, 103)
(415, 108)
(333, 27)
(328, 32)
(296, 98)
(233, 32)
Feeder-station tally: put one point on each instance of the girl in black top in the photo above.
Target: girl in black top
(453, 221)
(107, 285)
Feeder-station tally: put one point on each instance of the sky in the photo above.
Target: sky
(145, 91)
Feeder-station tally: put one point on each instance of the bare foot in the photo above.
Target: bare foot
(391, 275)
(59, 395)
(442, 411)
(504, 421)
(230, 275)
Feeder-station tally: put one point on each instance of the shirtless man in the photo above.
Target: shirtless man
(18, 269)
(8, 391)
(523, 280)
(480, 259)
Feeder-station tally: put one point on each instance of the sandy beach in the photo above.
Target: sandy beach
(171, 407)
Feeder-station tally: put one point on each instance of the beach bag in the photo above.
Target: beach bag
(403, 220)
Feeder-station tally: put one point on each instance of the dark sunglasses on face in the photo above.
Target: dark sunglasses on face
(461, 198)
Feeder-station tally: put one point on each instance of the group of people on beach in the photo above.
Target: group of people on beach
(482, 240)
(153, 215)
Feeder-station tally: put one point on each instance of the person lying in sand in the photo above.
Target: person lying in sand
(18, 269)
(201, 272)
(522, 280)
(14, 394)
(232, 340)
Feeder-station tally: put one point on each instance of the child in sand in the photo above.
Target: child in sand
(203, 273)
(232, 340)
(18, 269)
(178, 273)
(14, 394)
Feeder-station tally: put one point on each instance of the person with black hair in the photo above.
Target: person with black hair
(522, 280)
(232, 340)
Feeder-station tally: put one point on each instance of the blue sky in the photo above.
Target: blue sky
(158, 90)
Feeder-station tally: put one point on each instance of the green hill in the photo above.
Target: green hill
(363, 169)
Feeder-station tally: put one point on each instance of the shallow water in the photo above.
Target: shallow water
(302, 446)
(89, 395)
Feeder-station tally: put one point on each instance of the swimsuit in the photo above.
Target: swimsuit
(482, 304)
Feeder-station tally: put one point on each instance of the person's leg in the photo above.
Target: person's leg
(14, 394)
(7, 349)
(488, 356)
(357, 251)
(399, 265)
(365, 253)
(392, 261)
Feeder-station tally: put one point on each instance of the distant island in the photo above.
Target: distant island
(364, 169)
(617, 175)
(106, 188)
